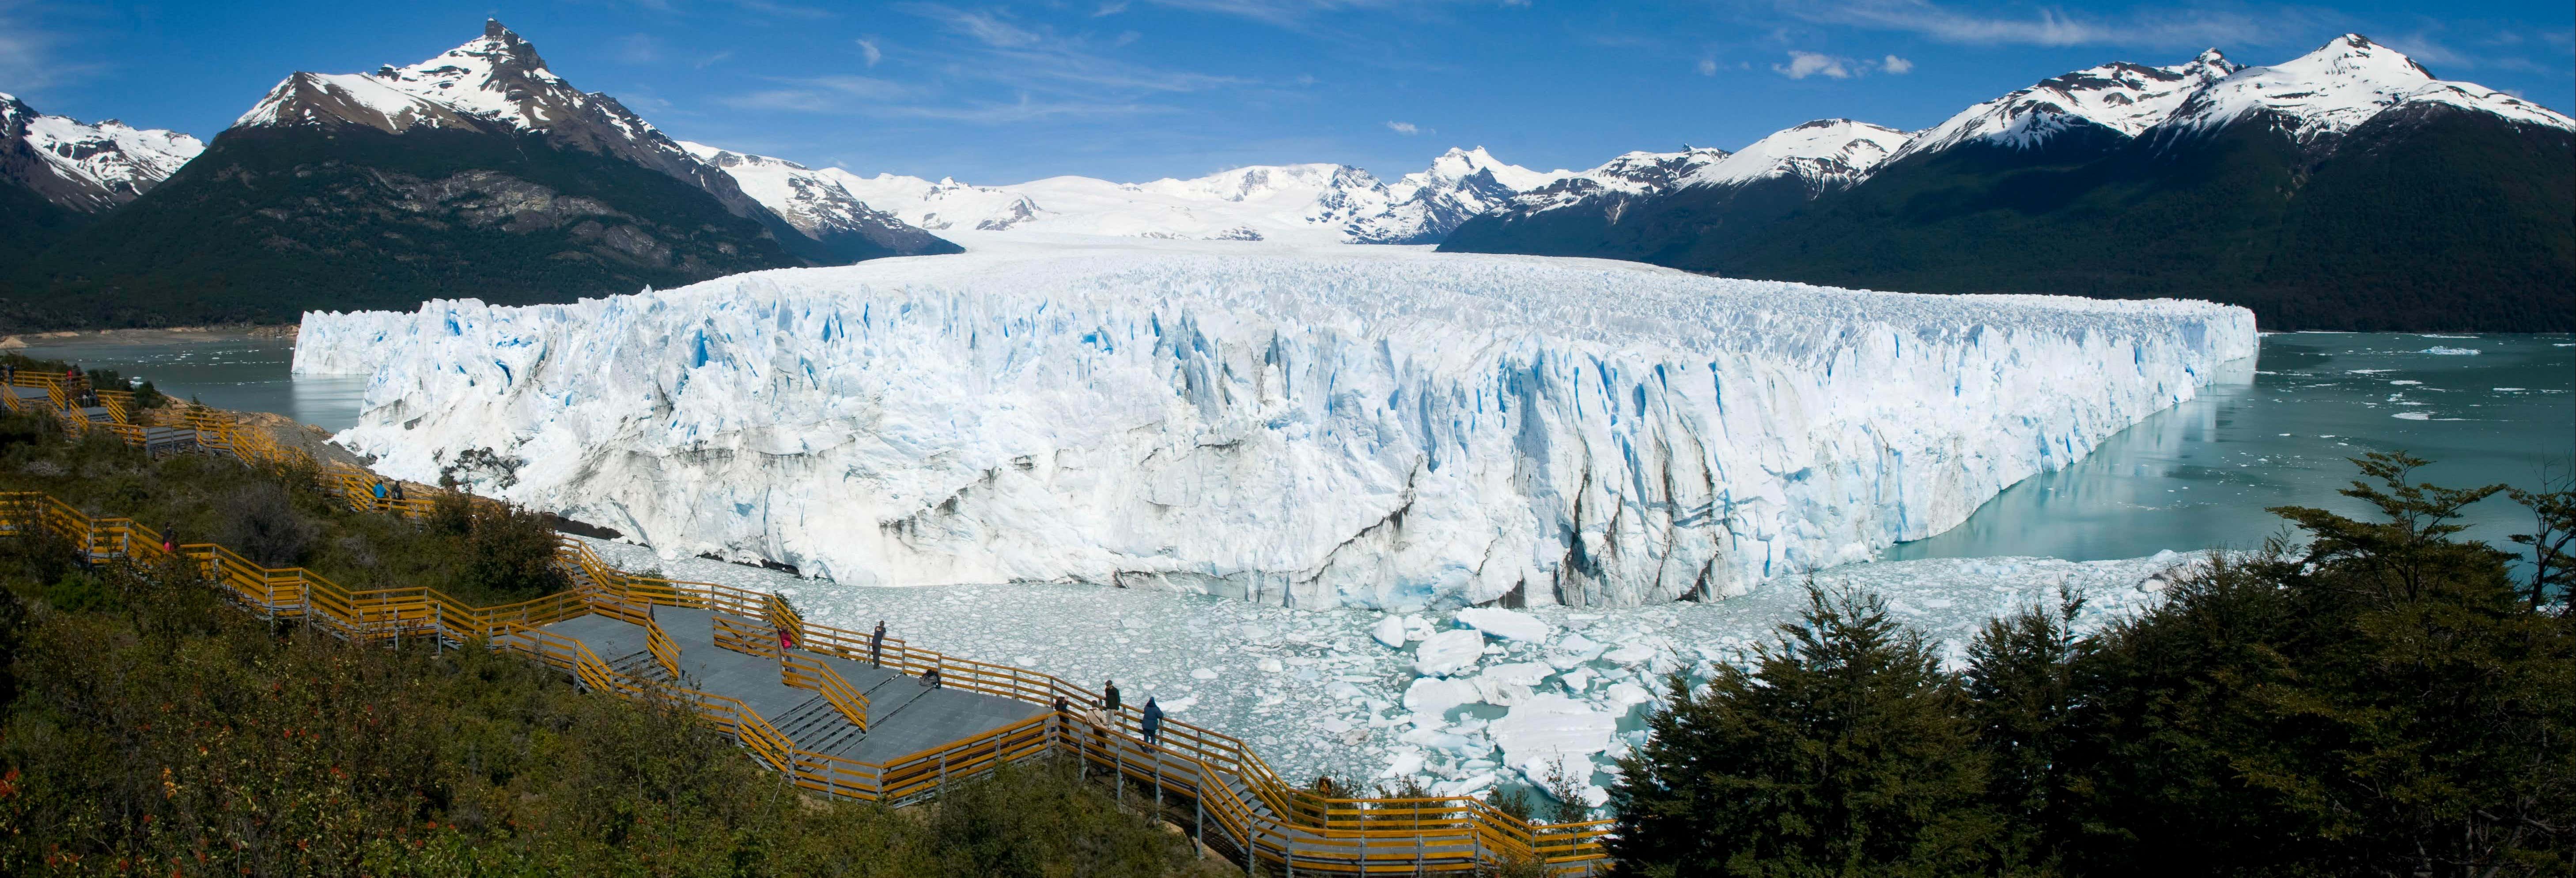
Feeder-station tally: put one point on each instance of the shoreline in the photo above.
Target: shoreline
(16, 341)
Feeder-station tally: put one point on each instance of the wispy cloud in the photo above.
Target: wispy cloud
(638, 49)
(1038, 58)
(1896, 65)
(29, 61)
(1109, 9)
(1707, 66)
(869, 51)
(1407, 129)
(2192, 26)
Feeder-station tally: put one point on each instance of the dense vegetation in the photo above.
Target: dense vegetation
(272, 222)
(147, 728)
(2382, 701)
(2429, 219)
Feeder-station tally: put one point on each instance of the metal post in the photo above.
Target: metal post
(1198, 822)
(1247, 845)
(438, 628)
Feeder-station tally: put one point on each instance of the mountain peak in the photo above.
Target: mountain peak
(2354, 55)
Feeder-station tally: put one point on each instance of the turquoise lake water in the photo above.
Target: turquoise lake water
(2196, 476)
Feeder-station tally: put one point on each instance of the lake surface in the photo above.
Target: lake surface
(2485, 409)
(2197, 476)
(226, 370)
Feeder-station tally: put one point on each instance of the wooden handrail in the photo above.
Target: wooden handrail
(813, 676)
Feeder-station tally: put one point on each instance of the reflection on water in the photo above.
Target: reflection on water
(2203, 473)
(2196, 476)
(225, 370)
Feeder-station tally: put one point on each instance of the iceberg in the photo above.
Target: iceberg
(1303, 426)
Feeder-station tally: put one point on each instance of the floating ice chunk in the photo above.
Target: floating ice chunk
(1632, 654)
(1417, 628)
(1177, 705)
(1577, 679)
(2412, 416)
(1406, 763)
(1519, 674)
(1389, 631)
(1447, 652)
(1503, 623)
(1343, 690)
(2450, 352)
(1203, 674)
(1272, 665)
(1624, 694)
(1435, 696)
(1545, 728)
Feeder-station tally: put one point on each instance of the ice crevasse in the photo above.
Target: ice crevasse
(1317, 426)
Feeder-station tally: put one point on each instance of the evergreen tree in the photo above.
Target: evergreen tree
(2020, 685)
(1843, 750)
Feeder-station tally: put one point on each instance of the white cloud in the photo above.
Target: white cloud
(1896, 65)
(1708, 67)
(1109, 9)
(868, 49)
(1805, 64)
(1407, 129)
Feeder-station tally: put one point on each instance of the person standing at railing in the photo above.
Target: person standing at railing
(169, 539)
(1109, 696)
(876, 645)
(381, 494)
(786, 641)
(1153, 723)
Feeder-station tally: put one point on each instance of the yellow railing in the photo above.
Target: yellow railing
(1301, 829)
(803, 673)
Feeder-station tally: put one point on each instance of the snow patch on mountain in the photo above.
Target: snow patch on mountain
(88, 167)
(1827, 154)
(2338, 87)
(1310, 426)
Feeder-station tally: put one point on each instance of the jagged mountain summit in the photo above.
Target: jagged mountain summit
(2348, 188)
(818, 205)
(1708, 191)
(477, 172)
(2120, 97)
(2339, 87)
(84, 167)
(1309, 203)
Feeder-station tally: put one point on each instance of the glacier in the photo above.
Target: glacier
(1308, 426)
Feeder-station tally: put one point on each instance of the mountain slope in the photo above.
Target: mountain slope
(57, 173)
(2345, 189)
(476, 173)
(819, 207)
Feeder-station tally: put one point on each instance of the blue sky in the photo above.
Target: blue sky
(1137, 89)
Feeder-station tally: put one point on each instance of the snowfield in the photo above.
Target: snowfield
(1310, 426)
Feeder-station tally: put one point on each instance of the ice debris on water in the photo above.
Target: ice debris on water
(1313, 427)
(1362, 711)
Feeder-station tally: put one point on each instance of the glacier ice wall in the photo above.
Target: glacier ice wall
(1310, 427)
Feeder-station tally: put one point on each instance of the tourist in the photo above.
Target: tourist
(169, 539)
(786, 641)
(1109, 696)
(381, 494)
(1153, 724)
(1063, 704)
(930, 678)
(876, 645)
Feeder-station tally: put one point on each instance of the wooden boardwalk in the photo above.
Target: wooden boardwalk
(825, 712)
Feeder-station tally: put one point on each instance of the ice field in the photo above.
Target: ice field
(1318, 691)
(1305, 426)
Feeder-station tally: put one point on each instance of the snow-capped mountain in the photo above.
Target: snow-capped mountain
(2338, 87)
(1308, 202)
(817, 204)
(2330, 191)
(2119, 96)
(1588, 214)
(84, 167)
(494, 84)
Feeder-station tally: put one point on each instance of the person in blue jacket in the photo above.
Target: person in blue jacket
(1153, 724)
